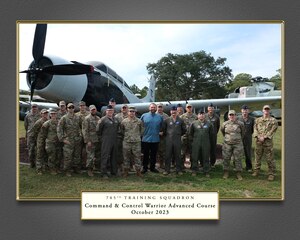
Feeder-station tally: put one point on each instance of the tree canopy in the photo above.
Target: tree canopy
(190, 76)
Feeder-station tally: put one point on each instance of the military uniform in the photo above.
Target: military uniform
(233, 132)
(68, 128)
(41, 155)
(215, 121)
(132, 130)
(29, 121)
(162, 144)
(265, 127)
(173, 130)
(49, 133)
(60, 154)
(247, 140)
(200, 133)
(89, 132)
(107, 129)
(186, 147)
(82, 115)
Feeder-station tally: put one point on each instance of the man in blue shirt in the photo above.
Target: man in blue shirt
(152, 127)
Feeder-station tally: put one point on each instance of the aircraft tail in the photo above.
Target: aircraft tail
(150, 97)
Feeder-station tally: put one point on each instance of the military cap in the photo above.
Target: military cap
(52, 110)
(201, 111)
(34, 105)
(44, 110)
(231, 112)
(82, 103)
(112, 100)
(174, 108)
(70, 104)
(245, 107)
(109, 107)
(266, 107)
(62, 103)
(124, 106)
(179, 105)
(189, 105)
(131, 108)
(91, 107)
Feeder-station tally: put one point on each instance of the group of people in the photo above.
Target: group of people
(65, 141)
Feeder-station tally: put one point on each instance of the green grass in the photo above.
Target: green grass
(35, 187)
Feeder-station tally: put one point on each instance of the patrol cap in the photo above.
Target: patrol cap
(174, 108)
(245, 107)
(112, 100)
(131, 108)
(266, 107)
(231, 112)
(52, 110)
(124, 106)
(70, 104)
(44, 110)
(62, 103)
(82, 103)
(189, 105)
(109, 107)
(91, 107)
(201, 111)
(34, 105)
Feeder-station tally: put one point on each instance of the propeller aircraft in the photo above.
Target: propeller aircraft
(55, 79)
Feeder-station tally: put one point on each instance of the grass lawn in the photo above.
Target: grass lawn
(45, 187)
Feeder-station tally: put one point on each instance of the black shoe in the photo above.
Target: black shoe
(154, 170)
(144, 171)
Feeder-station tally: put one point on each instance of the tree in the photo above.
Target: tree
(277, 80)
(141, 92)
(196, 75)
(240, 80)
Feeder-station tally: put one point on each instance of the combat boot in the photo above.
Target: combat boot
(226, 174)
(256, 173)
(90, 173)
(125, 172)
(239, 176)
(138, 173)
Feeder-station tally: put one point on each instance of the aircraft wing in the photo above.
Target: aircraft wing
(198, 104)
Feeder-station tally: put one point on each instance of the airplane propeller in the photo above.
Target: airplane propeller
(37, 67)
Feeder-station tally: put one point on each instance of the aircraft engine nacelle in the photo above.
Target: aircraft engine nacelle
(70, 88)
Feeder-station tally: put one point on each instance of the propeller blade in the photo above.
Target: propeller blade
(39, 42)
(32, 87)
(68, 69)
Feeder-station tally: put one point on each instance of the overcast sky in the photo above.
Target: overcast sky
(127, 48)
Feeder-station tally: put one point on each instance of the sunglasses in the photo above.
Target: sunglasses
(231, 114)
(131, 111)
(71, 107)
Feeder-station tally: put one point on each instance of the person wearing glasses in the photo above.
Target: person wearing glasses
(91, 140)
(132, 130)
(69, 133)
(233, 132)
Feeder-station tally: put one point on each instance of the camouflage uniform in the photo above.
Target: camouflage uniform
(120, 156)
(82, 115)
(68, 128)
(233, 132)
(41, 155)
(107, 129)
(173, 130)
(200, 133)
(247, 140)
(49, 133)
(265, 127)
(132, 130)
(29, 121)
(89, 132)
(60, 155)
(215, 121)
(186, 146)
(162, 144)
